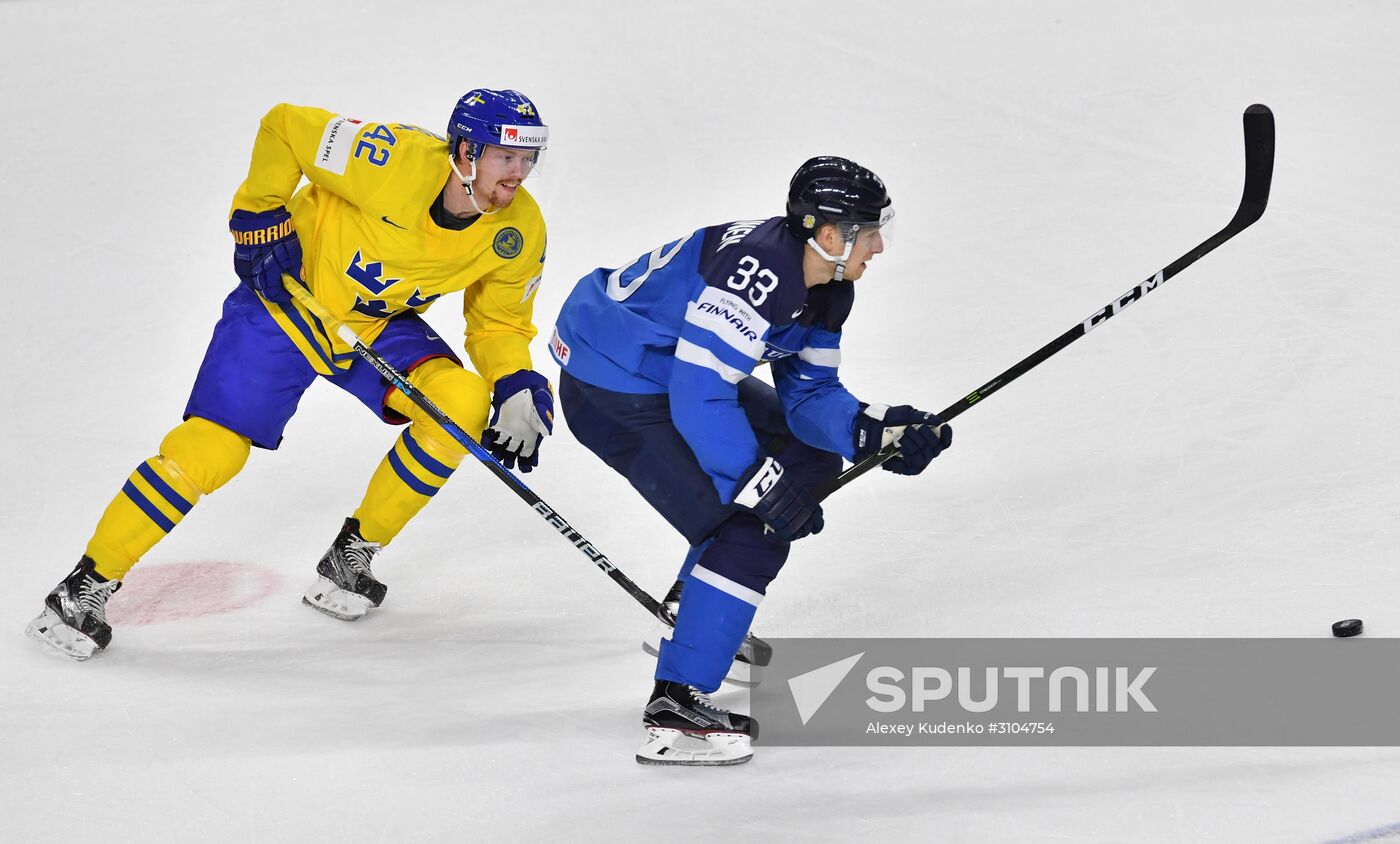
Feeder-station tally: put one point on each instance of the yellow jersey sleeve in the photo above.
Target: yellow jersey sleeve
(371, 249)
(351, 158)
(499, 309)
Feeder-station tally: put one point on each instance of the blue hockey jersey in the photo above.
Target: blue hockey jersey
(693, 318)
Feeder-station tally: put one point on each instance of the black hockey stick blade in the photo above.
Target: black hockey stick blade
(1258, 164)
(1258, 177)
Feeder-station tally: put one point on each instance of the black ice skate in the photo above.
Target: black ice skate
(685, 728)
(74, 620)
(345, 587)
(747, 668)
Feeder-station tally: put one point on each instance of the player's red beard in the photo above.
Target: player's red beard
(501, 196)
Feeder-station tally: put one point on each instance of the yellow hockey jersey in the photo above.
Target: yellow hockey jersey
(370, 246)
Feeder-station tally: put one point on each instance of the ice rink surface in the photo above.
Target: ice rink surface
(1221, 461)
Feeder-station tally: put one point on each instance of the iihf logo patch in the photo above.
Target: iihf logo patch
(508, 242)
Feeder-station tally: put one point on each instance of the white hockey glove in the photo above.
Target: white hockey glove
(522, 415)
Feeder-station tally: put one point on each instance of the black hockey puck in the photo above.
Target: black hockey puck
(1346, 627)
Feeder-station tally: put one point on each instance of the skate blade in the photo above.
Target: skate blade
(674, 747)
(651, 645)
(741, 673)
(325, 597)
(49, 629)
(756, 651)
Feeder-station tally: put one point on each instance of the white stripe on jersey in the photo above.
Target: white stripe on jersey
(821, 357)
(726, 585)
(729, 318)
(701, 356)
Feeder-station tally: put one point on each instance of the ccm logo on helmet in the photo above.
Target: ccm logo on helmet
(533, 136)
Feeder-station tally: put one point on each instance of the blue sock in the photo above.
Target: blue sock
(710, 627)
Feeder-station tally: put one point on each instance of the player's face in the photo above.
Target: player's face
(869, 243)
(499, 172)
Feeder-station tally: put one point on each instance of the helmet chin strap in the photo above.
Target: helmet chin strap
(467, 184)
(842, 258)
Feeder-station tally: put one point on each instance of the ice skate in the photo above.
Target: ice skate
(345, 587)
(746, 670)
(685, 728)
(74, 620)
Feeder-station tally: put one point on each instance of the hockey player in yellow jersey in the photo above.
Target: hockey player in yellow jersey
(391, 218)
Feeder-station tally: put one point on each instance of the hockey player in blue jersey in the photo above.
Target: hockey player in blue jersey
(657, 362)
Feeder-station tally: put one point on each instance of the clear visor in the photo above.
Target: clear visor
(513, 161)
(863, 233)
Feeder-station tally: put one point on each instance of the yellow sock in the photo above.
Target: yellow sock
(196, 458)
(407, 478)
(425, 455)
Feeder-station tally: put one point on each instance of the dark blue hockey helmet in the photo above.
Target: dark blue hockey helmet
(503, 118)
(829, 190)
(832, 190)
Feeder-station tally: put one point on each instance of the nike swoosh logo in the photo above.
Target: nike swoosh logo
(433, 337)
(392, 223)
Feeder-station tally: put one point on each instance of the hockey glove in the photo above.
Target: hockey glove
(919, 435)
(265, 246)
(789, 510)
(522, 415)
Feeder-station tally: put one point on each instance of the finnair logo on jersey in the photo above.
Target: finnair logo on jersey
(336, 141)
(725, 314)
(1112, 308)
(730, 319)
(524, 136)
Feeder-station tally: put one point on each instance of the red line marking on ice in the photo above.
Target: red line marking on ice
(154, 594)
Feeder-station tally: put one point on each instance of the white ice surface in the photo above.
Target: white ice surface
(1220, 461)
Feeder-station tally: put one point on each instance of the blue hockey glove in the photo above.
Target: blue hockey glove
(918, 446)
(919, 435)
(522, 415)
(265, 246)
(789, 510)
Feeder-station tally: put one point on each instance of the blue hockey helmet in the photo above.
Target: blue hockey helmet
(503, 118)
(830, 190)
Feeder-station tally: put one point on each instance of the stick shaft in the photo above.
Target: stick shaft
(402, 384)
(1259, 169)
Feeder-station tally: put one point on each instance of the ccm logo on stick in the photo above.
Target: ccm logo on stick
(1112, 308)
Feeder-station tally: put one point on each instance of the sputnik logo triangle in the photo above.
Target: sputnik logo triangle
(811, 690)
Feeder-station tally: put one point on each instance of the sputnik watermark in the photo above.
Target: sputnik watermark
(931, 683)
(1246, 692)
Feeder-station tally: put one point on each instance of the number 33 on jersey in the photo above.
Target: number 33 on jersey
(695, 317)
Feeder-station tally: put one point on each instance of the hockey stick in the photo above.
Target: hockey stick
(401, 382)
(1258, 175)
